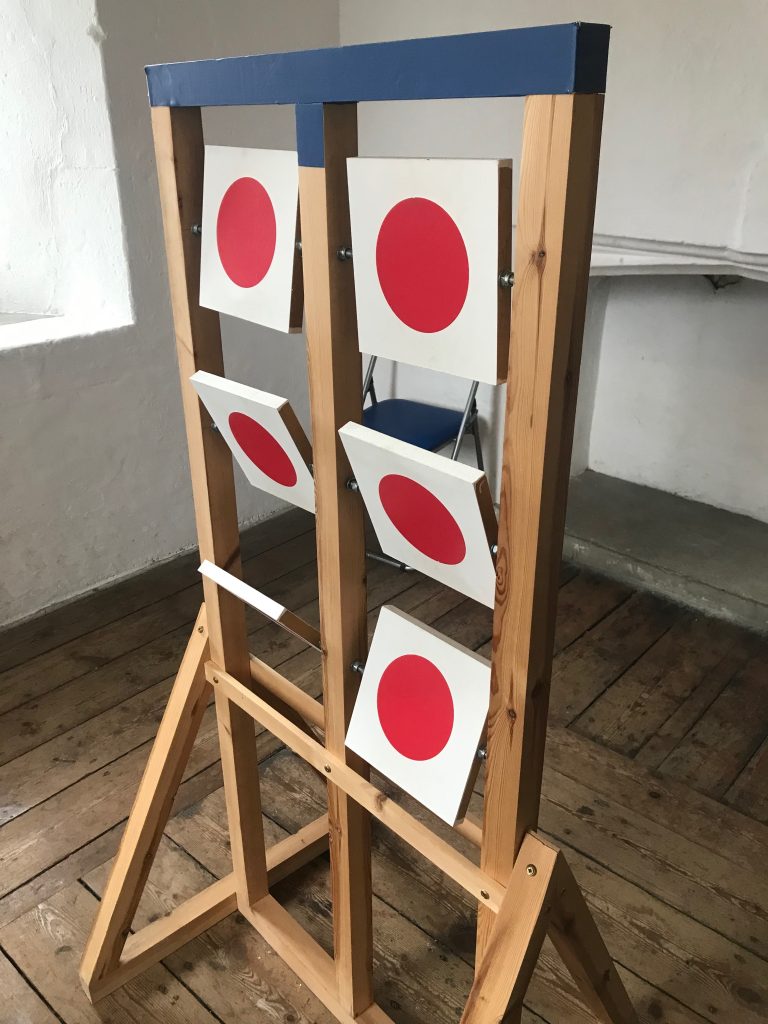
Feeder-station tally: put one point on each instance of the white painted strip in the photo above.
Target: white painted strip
(250, 595)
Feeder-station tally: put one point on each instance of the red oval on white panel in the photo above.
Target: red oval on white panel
(263, 449)
(422, 265)
(422, 519)
(415, 707)
(246, 232)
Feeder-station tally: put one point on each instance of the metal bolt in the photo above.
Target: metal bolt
(215, 427)
(358, 667)
(298, 246)
(530, 870)
(506, 279)
(494, 549)
(344, 253)
(482, 754)
(201, 629)
(485, 894)
(196, 229)
(327, 768)
(352, 484)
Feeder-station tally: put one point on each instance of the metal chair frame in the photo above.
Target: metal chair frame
(470, 421)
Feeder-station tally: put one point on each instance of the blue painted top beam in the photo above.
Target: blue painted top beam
(512, 62)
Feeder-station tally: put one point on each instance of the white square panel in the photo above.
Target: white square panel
(264, 435)
(428, 511)
(429, 240)
(420, 713)
(249, 265)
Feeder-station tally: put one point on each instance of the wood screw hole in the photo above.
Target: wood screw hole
(201, 629)
(485, 894)
(328, 768)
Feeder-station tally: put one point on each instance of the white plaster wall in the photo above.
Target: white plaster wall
(681, 394)
(685, 153)
(673, 375)
(92, 456)
(60, 230)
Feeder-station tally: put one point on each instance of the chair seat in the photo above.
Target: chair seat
(426, 426)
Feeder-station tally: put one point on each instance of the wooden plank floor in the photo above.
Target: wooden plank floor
(656, 786)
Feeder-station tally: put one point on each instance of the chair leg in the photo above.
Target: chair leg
(478, 446)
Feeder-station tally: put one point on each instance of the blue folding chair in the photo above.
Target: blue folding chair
(427, 426)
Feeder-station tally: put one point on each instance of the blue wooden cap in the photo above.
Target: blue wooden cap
(512, 62)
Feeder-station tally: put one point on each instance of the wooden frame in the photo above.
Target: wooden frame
(523, 886)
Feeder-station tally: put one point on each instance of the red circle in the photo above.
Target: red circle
(422, 265)
(415, 707)
(422, 519)
(264, 450)
(246, 232)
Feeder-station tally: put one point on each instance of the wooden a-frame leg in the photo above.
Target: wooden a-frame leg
(544, 898)
(502, 977)
(577, 939)
(112, 956)
(150, 811)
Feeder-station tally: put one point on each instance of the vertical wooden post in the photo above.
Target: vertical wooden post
(558, 182)
(335, 395)
(179, 150)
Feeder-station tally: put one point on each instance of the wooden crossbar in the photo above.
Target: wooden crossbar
(523, 886)
(377, 803)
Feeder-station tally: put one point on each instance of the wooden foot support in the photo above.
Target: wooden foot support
(161, 938)
(543, 898)
(112, 956)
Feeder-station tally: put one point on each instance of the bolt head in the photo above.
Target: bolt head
(485, 894)
(530, 870)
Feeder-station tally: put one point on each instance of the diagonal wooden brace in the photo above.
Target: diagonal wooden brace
(542, 898)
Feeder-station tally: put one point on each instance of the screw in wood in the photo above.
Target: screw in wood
(506, 279)
(215, 679)
(485, 894)
(328, 768)
(197, 229)
(201, 629)
(344, 253)
(530, 870)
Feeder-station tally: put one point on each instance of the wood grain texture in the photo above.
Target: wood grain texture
(577, 939)
(558, 181)
(335, 371)
(179, 151)
(503, 975)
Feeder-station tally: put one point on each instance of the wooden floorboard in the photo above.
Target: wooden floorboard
(655, 786)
